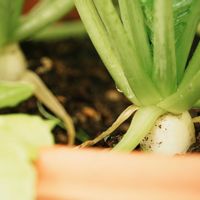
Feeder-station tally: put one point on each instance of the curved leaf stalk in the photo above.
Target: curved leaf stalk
(141, 124)
(50, 101)
(123, 117)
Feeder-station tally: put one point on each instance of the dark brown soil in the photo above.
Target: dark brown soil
(75, 74)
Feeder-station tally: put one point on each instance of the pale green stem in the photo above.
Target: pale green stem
(192, 69)
(141, 124)
(50, 101)
(132, 65)
(99, 37)
(49, 13)
(185, 41)
(74, 29)
(164, 72)
(133, 22)
(188, 92)
(184, 99)
(198, 29)
(123, 117)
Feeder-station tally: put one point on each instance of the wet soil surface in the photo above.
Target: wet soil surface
(75, 74)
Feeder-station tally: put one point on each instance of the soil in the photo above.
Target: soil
(75, 74)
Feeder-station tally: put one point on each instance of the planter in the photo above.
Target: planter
(66, 173)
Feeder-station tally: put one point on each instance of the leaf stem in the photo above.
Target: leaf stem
(101, 41)
(141, 124)
(133, 22)
(188, 92)
(131, 63)
(61, 31)
(50, 101)
(45, 15)
(123, 117)
(185, 41)
(164, 72)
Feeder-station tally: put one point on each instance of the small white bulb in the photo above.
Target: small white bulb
(172, 134)
(12, 63)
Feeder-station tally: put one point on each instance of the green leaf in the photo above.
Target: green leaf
(10, 11)
(17, 179)
(13, 93)
(32, 132)
(17, 175)
(21, 136)
(181, 10)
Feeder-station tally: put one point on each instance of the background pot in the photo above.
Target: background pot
(97, 175)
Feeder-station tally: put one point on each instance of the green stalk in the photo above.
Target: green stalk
(198, 29)
(45, 16)
(188, 91)
(142, 123)
(164, 73)
(131, 64)
(192, 68)
(61, 31)
(133, 22)
(184, 99)
(100, 39)
(38, 7)
(185, 41)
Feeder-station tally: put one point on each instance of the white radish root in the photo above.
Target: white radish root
(172, 134)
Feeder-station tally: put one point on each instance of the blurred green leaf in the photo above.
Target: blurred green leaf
(32, 132)
(82, 136)
(13, 93)
(17, 175)
(181, 9)
(10, 11)
(21, 136)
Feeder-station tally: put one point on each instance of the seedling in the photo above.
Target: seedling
(37, 24)
(145, 45)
